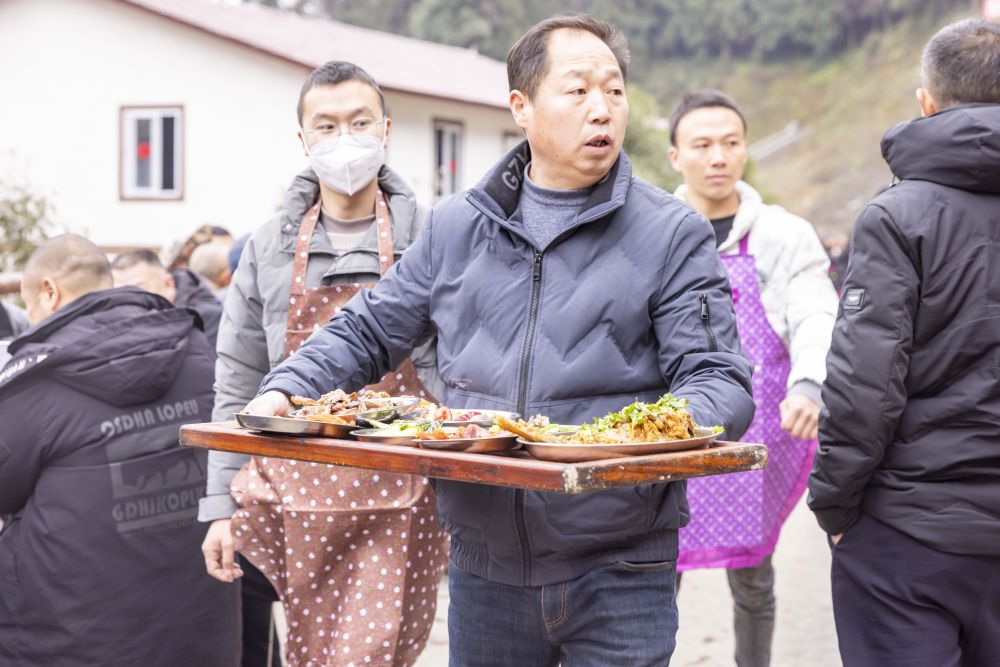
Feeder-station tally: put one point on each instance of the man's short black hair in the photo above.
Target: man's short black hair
(338, 71)
(701, 99)
(961, 64)
(130, 258)
(80, 266)
(527, 60)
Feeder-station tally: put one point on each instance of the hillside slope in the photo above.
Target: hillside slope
(846, 105)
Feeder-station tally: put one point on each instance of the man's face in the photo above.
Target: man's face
(576, 121)
(348, 107)
(151, 278)
(710, 152)
(38, 307)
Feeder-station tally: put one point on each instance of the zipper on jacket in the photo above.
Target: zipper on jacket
(706, 321)
(522, 406)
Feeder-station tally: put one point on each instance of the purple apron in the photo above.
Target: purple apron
(735, 519)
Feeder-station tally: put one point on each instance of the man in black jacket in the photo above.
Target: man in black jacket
(100, 563)
(181, 287)
(907, 477)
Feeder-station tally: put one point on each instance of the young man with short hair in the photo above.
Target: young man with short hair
(560, 284)
(181, 287)
(785, 306)
(345, 220)
(908, 469)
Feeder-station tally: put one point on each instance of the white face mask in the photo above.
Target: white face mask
(347, 164)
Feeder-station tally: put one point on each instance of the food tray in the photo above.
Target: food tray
(516, 469)
(577, 453)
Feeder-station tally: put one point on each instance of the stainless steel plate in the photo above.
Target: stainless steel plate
(573, 453)
(485, 421)
(372, 435)
(497, 443)
(400, 407)
(293, 426)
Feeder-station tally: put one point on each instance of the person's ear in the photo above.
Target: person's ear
(49, 295)
(672, 156)
(302, 140)
(520, 108)
(928, 105)
(387, 126)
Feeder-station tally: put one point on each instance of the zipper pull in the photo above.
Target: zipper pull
(704, 306)
(537, 270)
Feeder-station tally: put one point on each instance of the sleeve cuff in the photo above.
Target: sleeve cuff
(836, 520)
(213, 508)
(288, 388)
(811, 390)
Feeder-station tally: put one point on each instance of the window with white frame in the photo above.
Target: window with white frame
(447, 158)
(152, 152)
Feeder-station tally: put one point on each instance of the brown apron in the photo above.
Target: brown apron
(355, 555)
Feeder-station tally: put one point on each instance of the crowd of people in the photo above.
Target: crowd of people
(559, 284)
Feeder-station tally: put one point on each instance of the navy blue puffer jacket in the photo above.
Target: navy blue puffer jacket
(630, 303)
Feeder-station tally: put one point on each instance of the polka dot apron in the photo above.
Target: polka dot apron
(735, 519)
(355, 555)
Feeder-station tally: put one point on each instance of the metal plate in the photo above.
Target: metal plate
(573, 453)
(402, 405)
(485, 422)
(372, 435)
(293, 426)
(496, 443)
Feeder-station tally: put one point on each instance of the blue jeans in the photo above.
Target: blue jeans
(618, 614)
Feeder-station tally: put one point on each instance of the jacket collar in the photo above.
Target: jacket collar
(746, 214)
(303, 193)
(499, 192)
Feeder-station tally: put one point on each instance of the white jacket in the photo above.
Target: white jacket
(793, 270)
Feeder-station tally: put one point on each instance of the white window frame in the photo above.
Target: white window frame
(128, 188)
(452, 128)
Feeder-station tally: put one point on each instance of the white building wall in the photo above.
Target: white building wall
(70, 65)
(411, 152)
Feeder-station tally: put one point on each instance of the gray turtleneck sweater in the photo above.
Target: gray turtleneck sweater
(547, 213)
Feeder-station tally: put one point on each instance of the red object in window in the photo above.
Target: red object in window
(453, 166)
(142, 150)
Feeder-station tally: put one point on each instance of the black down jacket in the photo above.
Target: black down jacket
(911, 431)
(101, 562)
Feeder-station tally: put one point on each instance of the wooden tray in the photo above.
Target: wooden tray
(516, 469)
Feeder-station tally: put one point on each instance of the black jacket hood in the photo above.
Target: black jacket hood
(122, 345)
(958, 147)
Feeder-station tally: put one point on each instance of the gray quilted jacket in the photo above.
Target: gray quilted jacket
(631, 302)
(252, 331)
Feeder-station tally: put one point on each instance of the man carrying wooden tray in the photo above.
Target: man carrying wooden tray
(561, 284)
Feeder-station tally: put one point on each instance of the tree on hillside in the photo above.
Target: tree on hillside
(658, 29)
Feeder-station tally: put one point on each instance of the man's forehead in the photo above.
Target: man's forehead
(709, 122)
(344, 97)
(578, 52)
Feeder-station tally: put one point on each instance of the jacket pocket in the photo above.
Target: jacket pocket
(464, 508)
(661, 566)
(706, 323)
(601, 516)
